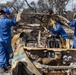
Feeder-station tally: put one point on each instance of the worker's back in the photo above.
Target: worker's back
(5, 25)
(59, 31)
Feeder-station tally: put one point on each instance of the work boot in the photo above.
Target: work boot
(7, 68)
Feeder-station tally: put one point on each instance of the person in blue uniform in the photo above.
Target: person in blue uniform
(73, 24)
(5, 39)
(57, 29)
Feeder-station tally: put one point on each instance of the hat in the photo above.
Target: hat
(2, 12)
(7, 11)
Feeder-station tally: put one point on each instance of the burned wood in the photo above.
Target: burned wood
(29, 54)
(49, 49)
(39, 37)
(60, 67)
(62, 19)
(41, 66)
(44, 62)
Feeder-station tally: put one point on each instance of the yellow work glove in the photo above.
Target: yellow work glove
(18, 17)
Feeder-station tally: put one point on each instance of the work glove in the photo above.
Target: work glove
(18, 17)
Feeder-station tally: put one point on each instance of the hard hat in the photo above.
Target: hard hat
(7, 11)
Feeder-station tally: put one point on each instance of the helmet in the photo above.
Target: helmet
(7, 11)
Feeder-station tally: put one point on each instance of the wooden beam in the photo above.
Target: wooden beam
(41, 66)
(59, 67)
(49, 49)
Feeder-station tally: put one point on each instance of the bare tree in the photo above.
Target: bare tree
(42, 6)
(15, 5)
(59, 5)
(31, 8)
